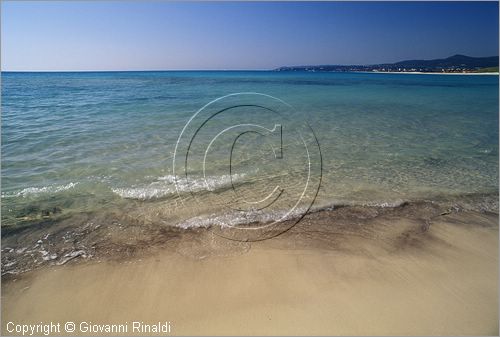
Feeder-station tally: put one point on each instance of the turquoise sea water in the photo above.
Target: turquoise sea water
(77, 143)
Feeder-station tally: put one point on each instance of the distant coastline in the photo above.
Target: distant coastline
(456, 64)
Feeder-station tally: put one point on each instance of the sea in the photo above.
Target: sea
(190, 149)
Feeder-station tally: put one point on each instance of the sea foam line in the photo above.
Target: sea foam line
(39, 190)
(235, 218)
(166, 186)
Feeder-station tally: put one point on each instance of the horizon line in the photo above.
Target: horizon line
(123, 70)
(268, 69)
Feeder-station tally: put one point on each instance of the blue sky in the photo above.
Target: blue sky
(126, 35)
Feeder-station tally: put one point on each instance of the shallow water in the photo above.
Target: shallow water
(74, 143)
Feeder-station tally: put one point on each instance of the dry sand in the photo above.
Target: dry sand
(398, 280)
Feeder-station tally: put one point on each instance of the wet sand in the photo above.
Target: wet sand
(344, 272)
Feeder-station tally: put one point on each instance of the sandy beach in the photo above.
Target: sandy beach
(346, 272)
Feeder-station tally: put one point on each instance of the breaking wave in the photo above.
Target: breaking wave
(235, 218)
(40, 190)
(166, 186)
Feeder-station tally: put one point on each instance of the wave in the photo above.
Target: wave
(235, 218)
(162, 187)
(481, 202)
(168, 185)
(40, 190)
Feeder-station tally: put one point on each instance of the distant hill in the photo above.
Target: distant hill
(455, 63)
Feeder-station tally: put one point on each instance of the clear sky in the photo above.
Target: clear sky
(126, 35)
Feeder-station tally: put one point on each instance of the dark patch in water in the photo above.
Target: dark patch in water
(434, 162)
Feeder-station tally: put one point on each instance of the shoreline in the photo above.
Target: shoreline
(343, 271)
(118, 234)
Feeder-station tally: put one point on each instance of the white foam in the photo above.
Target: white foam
(386, 204)
(235, 218)
(39, 190)
(142, 193)
(166, 185)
